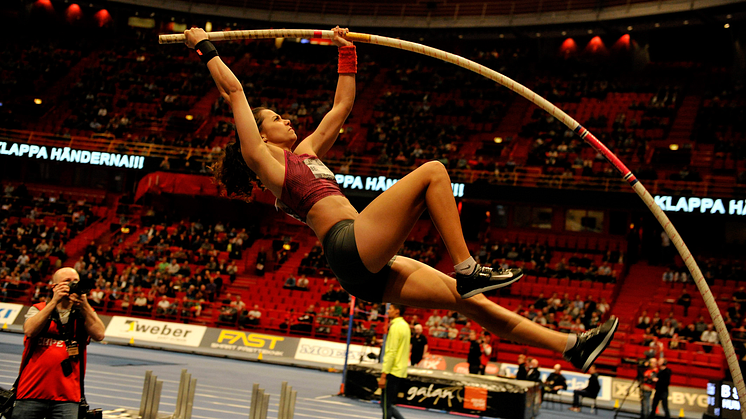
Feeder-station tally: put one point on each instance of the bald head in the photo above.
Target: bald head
(65, 275)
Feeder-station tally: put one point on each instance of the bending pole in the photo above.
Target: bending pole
(544, 104)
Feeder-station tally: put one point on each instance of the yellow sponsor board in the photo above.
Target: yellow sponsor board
(252, 340)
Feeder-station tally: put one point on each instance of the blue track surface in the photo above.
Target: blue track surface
(115, 379)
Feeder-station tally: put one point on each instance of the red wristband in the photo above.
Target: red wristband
(347, 60)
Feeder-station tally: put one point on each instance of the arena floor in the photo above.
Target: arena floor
(115, 376)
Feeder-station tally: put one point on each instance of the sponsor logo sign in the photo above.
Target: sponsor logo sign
(9, 312)
(155, 331)
(689, 399)
(435, 395)
(475, 398)
(463, 368)
(433, 362)
(240, 341)
(332, 352)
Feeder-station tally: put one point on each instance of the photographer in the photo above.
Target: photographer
(647, 385)
(662, 381)
(56, 337)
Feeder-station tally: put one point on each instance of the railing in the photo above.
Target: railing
(525, 177)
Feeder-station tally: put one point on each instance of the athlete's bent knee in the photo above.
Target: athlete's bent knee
(435, 169)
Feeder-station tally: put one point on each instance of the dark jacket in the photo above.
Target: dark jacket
(555, 379)
(664, 380)
(533, 375)
(593, 385)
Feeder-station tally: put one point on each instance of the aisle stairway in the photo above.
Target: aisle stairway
(639, 287)
(683, 124)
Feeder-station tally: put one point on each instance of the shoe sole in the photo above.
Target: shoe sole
(600, 348)
(491, 287)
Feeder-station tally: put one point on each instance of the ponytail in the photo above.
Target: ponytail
(231, 174)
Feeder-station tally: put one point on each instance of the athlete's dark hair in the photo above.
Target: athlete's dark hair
(231, 174)
(402, 308)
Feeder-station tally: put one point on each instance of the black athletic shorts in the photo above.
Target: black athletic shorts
(344, 259)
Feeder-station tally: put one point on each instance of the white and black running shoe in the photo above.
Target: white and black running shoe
(484, 279)
(590, 344)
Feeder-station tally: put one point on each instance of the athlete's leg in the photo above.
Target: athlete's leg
(416, 284)
(384, 225)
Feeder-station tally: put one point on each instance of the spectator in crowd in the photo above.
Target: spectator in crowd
(465, 332)
(656, 322)
(239, 304)
(740, 295)
(164, 307)
(289, 282)
(667, 330)
(433, 320)
(452, 332)
(685, 300)
(228, 311)
(302, 283)
(415, 320)
(709, 336)
(656, 348)
(261, 259)
(232, 271)
(700, 325)
(676, 342)
(690, 333)
(438, 331)
(253, 316)
(141, 303)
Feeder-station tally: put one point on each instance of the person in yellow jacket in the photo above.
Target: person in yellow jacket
(395, 361)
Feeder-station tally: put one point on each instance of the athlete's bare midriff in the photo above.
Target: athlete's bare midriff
(328, 212)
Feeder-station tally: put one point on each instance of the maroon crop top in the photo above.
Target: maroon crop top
(307, 181)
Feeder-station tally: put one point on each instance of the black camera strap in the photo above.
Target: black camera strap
(81, 364)
(74, 334)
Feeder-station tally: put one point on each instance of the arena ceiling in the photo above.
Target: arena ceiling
(435, 13)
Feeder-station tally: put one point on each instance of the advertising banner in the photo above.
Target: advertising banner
(247, 342)
(334, 352)
(451, 392)
(155, 331)
(691, 400)
(9, 312)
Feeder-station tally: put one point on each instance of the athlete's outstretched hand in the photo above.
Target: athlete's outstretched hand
(193, 36)
(339, 39)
